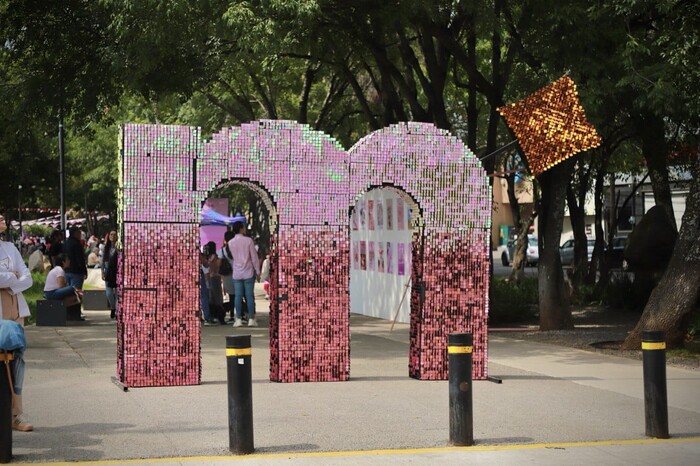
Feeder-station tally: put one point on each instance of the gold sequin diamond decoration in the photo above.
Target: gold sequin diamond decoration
(550, 125)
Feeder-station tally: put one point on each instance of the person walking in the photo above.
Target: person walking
(14, 279)
(246, 267)
(73, 249)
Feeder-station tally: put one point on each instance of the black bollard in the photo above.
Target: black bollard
(459, 357)
(655, 400)
(240, 394)
(5, 411)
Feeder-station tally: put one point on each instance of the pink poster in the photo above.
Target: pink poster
(363, 255)
(389, 214)
(389, 257)
(371, 262)
(380, 256)
(409, 257)
(356, 255)
(380, 214)
(400, 255)
(370, 215)
(361, 214)
(400, 215)
(214, 233)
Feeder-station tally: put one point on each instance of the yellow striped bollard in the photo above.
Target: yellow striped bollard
(240, 394)
(459, 360)
(655, 399)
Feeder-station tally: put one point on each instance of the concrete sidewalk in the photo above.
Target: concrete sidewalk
(555, 405)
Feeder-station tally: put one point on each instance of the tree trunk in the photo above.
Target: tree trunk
(577, 215)
(677, 293)
(520, 251)
(554, 305)
(651, 130)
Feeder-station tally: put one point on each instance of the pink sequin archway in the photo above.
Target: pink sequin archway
(311, 183)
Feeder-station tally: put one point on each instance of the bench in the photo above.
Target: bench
(56, 312)
(95, 300)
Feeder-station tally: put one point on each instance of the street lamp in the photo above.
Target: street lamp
(19, 210)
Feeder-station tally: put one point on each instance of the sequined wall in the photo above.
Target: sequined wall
(309, 184)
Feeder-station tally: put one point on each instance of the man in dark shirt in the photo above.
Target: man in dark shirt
(73, 248)
(56, 248)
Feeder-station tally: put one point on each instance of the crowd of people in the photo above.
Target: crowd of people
(227, 279)
(67, 260)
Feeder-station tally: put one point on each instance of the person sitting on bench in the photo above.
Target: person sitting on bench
(56, 286)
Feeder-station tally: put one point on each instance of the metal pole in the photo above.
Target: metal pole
(655, 400)
(459, 359)
(19, 210)
(5, 411)
(61, 173)
(240, 394)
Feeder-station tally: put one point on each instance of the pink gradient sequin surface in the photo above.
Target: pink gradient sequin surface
(310, 185)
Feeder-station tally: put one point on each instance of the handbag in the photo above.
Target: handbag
(225, 266)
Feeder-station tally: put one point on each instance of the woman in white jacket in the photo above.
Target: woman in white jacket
(14, 279)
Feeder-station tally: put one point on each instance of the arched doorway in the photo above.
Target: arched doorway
(385, 242)
(242, 200)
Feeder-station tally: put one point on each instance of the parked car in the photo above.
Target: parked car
(566, 251)
(532, 254)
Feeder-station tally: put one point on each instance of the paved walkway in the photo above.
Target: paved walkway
(556, 405)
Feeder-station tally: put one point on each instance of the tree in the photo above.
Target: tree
(554, 303)
(677, 293)
(670, 38)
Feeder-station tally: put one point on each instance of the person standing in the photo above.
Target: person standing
(204, 288)
(14, 279)
(227, 278)
(73, 249)
(246, 267)
(216, 297)
(111, 281)
(110, 243)
(265, 276)
(55, 246)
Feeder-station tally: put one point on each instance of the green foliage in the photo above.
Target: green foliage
(35, 293)
(584, 294)
(511, 304)
(693, 326)
(41, 231)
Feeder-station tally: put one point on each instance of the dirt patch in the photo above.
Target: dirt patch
(595, 329)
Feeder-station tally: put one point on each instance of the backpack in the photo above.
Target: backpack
(225, 266)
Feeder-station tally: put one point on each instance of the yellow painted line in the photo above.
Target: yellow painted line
(459, 349)
(405, 451)
(653, 346)
(239, 351)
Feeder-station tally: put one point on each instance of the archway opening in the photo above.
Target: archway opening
(386, 240)
(234, 200)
